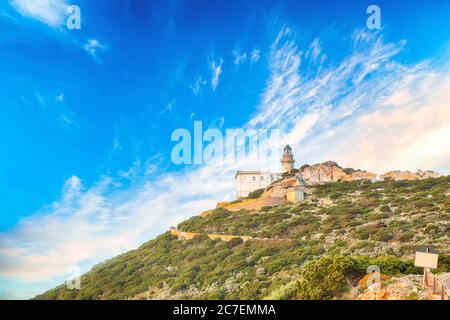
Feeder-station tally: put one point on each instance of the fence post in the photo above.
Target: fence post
(434, 285)
(424, 281)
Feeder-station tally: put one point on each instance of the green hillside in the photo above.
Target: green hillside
(314, 250)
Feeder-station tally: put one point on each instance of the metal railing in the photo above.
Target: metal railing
(438, 285)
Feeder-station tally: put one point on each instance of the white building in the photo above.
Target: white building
(249, 181)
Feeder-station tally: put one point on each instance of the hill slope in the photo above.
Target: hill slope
(341, 229)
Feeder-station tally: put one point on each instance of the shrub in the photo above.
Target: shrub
(266, 208)
(406, 236)
(286, 292)
(335, 195)
(393, 266)
(324, 278)
(349, 170)
(255, 194)
(383, 235)
(235, 242)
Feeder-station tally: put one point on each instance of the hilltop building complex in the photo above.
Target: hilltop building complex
(249, 181)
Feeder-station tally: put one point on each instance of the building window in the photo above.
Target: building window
(254, 178)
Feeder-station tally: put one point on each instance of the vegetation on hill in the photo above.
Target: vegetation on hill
(255, 194)
(317, 249)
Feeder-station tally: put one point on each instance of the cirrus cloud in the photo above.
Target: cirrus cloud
(50, 12)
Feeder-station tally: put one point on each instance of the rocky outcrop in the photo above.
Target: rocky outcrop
(407, 175)
(330, 171)
(278, 189)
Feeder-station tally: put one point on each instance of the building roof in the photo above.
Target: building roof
(255, 172)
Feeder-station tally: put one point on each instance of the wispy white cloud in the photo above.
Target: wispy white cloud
(395, 118)
(169, 108)
(50, 12)
(55, 13)
(216, 69)
(93, 224)
(239, 57)
(407, 129)
(255, 55)
(314, 52)
(368, 111)
(93, 47)
(60, 97)
(198, 84)
(49, 107)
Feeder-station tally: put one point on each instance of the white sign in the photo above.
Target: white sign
(426, 260)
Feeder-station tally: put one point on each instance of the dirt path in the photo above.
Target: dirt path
(181, 235)
(249, 204)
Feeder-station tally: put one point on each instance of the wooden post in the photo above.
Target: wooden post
(434, 285)
(424, 282)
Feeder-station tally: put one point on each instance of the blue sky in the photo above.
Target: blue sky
(87, 115)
